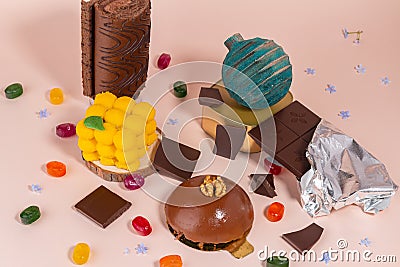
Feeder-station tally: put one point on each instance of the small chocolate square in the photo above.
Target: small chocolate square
(298, 118)
(263, 184)
(210, 97)
(278, 137)
(102, 206)
(175, 159)
(293, 157)
(228, 140)
(307, 137)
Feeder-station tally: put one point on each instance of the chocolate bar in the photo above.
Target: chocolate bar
(175, 159)
(115, 45)
(102, 206)
(263, 184)
(210, 97)
(304, 239)
(228, 141)
(295, 126)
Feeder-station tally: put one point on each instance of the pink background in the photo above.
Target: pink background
(40, 47)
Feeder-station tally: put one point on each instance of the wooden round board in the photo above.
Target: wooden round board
(114, 174)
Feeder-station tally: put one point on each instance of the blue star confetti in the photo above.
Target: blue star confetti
(310, 71)
(385, 80)
(172, 121)
(141, 249)
(36, 188)
(344, 114)
(325, 257)
(345, 33)
(365, 242)
(43, 113)
(126, 251)
(360, 69)
(331, 88)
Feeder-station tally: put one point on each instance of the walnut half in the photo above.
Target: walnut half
(213, 186)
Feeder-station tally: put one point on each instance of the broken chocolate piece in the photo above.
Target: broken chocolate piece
(175, 159)
(228, 140)
(263, 184)
(304, 239)
(115, 45)
(210, 97)
(102, 206)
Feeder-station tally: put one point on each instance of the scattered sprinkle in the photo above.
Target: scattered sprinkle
(126, 251)
(325, 257)
(141, 249)
(36, 188)
(43, 113)
(345, 33)
(360, 69)
(385, 80)
(365, 242)
(344, 114)
(310, 71)
(172, 121)
(331, 88)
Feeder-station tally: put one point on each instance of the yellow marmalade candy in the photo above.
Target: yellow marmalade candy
(87, 145)
(90, 156)
(123, 102)
(134, 166)
(145, 110)
(105, 136)
(115, 117)
(83, 132)
(151, 127)
(106, 151)
(150, 139)
(106, 99)
(135, 123)
(95, 110)
(107, 161)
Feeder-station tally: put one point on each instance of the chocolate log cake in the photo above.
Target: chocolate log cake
(115, 45)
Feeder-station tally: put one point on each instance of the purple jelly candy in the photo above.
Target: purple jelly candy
(65, 130)
(133, 182)
(163, 61)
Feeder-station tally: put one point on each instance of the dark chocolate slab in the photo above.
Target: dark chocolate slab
(307, 137)
(210, 97)
(229, 140)
(265, 183)
(293, 158)
(102, 206)
(298, 118)
(175, 159)
(304, 239)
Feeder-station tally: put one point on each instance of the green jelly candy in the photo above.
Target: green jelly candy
(14, 90)
(180, 89)
(30, 215)
(277, 261)
(94, 122)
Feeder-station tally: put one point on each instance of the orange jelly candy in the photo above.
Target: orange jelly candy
(56, 168)
(275, 212)
(171, 261)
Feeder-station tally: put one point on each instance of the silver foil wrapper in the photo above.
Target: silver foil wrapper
(343, 173)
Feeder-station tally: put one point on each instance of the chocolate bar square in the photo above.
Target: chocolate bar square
(298, 118)
(175, 159)
(210, 97)
(293, 157)
(307, 137)
(228, 140)
(102, 206)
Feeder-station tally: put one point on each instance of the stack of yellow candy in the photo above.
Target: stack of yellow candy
(130, 129)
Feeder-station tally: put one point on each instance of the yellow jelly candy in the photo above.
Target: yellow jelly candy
(121, 165)
(131, 156)
(90, 156)
(123, 102)
(145, 110)
(106, 136)
(151, 127)
(134, 166)
(95, 110)
(106, 151)
(115, 117)
(106, 99)
(56, 96)
(141, 152)
(119, 155)
(135, 123)
(80, 254)
(83, 132)
(87, 145)
(107, 161)
(151, 138)
(117, 140)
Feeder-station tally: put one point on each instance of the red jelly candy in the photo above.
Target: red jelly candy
(56, 168)
(65, 130)
(163, 61)
(141, 225)
(275, 212)
(133, 182)
(272, 168)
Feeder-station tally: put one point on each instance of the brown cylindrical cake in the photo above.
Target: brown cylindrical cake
(115, 45)
(220, 223)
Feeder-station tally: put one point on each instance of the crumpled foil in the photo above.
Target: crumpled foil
(343, 173)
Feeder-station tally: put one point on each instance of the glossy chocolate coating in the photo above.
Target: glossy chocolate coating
(223, 220)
